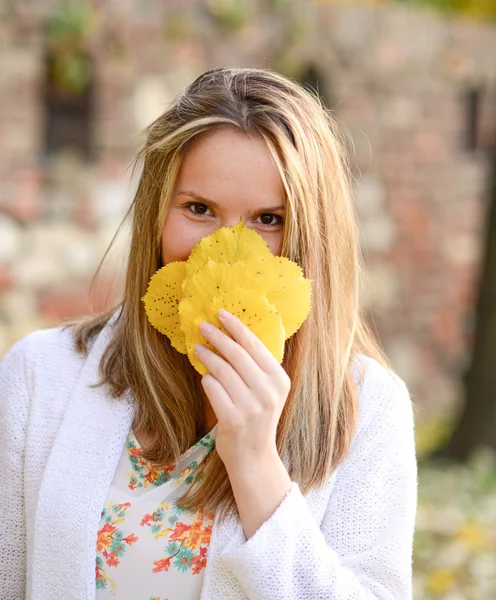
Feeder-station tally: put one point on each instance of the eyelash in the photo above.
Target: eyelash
(190, 204)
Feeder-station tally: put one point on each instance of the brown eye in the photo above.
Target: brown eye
(192, 204)
(203, 208)
(267, 217)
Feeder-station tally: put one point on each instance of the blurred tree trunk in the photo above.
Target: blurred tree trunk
(477, 424)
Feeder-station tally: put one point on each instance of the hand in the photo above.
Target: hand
(247, 389)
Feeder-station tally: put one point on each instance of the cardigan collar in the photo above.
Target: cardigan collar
(78, 474)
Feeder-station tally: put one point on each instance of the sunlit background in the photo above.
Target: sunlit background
(413, 83)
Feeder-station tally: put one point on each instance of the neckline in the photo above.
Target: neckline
(205, 438)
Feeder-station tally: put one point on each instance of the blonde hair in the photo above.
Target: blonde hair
(320, 234)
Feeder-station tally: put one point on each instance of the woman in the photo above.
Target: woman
(127, 475)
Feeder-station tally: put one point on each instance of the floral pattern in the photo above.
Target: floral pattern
(187, 543)
(143, 473)
(111, 542)
(147, 529)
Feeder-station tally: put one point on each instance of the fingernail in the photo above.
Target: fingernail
(206, 327)
(223, 314)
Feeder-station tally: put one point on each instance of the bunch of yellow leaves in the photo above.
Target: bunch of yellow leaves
(233, 268)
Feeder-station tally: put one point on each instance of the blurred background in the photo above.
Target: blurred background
(414, 84)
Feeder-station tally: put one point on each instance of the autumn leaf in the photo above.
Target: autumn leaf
(195, 535)
(130, 539)
(112, 560)
(180, 531)
(197, 563)
(146, 519)
(232, 268)
(206, 533)
(161, 565)
(104, 537)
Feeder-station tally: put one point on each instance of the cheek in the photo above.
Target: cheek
(275, 244)
(174, 247)
(178, 239)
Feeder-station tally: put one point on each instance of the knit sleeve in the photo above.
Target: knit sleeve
(14, 408)
(362, 550)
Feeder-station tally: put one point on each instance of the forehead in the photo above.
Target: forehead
(226, 165)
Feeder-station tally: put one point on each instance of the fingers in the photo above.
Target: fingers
(259, 353)
(219, 399)
(246, 371)
(234, 354)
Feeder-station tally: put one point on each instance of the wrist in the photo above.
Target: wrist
(259, 487)
(267, 467)
(252, 462)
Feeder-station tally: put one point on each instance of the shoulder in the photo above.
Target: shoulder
(29, 370)
(50, 346)
(40, 348)
(384, 397)
(378, 385)
(41, 362)
(373, 377)
(50, 357)
(37, 376)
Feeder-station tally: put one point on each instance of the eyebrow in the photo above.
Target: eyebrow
(215, 205)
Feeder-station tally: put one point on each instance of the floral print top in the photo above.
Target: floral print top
(148, 548)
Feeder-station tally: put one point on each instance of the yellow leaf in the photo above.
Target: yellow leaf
(233, 269)
(253, 309)
(162, 299)
(285, 287)
(228, 245)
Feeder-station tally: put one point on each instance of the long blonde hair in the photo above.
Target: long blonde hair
(320, 234)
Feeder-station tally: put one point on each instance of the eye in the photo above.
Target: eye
(268, 216)
(191, 204)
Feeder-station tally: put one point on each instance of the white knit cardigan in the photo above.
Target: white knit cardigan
(60, 443)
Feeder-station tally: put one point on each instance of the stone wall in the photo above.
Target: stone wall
(396, 80)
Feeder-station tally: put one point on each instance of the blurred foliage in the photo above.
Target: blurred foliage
(433, 433)
(474, 9)
(455, 532)
(70, 24)
(230, 14)
(73, 72)
(178, 27)
(69, 31)
(287, 57)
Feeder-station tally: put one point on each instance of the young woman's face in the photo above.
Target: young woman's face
(224, 175)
